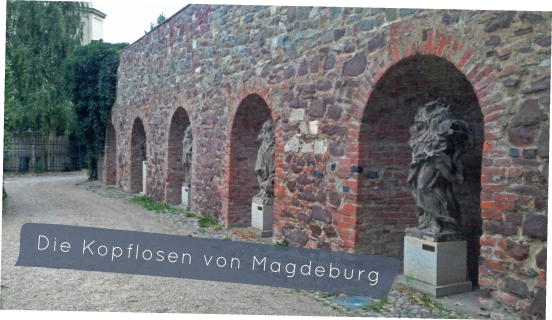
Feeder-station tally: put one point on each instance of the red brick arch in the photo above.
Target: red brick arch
(253, 87)
(174, 174)
(481, 77)
(138, 131)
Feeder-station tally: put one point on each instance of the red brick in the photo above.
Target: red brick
(491, 118)
(491, 215)
(486, 179)
(441, 46)
(429, 42)
(515, 172)
(351, 183)
(492, 264)
(349, 244)
(488, 145)
(344, 212)
(505, 297)
(397, 54)
(349, 220)
(466, 57)
(492, 187)
(493, 171)
(486, 283)
(492, 205)
(504, 197)
(485, 82)
(343, 224)
(350, 207)
(487, 241)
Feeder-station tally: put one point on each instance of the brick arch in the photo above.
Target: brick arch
(480, 78)
(138, 132)
(110, 152)
(254, 89)
(179, 122)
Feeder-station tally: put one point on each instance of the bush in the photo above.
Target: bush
(91, 82)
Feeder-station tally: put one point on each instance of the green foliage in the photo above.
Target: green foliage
(39, 167)
(376, 306)
(39, 37)
(328, 295)
(160, 20)
(152, 205)
(440, 306)
(2, 287)
(91, 73)
(207, 221)
(284, 243)
(7, 112)
(426, 300)
(228, 239)
(190, 215)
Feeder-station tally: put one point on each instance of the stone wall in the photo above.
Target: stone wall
(342, 86)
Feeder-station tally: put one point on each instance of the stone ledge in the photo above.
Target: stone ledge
(435, 291)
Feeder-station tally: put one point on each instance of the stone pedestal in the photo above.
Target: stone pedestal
(186, 197)
(437, 267)
(262, 219)
(144, 176)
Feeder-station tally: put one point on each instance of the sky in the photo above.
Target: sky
(126, 22)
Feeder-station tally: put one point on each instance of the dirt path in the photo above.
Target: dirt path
(64, 199)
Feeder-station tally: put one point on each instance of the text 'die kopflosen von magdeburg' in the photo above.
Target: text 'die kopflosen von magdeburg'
(120, 251)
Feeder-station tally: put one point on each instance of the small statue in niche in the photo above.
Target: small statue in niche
(143, 149)
(264, 167)
(438, 139)
(187, 154)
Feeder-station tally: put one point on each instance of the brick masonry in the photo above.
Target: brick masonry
(342, 86)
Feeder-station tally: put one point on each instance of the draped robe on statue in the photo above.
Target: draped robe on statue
(264, 166)
(438, 140)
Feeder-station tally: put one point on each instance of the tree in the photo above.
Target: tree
(91, 74)
(5, 128)
(39, 37)
(160, 20)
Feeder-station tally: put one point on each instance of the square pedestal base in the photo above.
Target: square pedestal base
(436, 268)
(259, 233)
(436, 263)
(185, 196)
(262, 219)
(435, 291)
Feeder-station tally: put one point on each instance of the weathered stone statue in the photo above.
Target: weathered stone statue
(264, 167)
(143, 148)
(438, 140)
(187, 155)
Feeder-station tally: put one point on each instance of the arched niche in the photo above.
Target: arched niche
(386, 206)
(252, 112)
(138, 136)
(179, 123)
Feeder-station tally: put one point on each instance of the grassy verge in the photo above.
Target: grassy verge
(152, 205)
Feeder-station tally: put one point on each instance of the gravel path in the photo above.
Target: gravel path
(67, 199)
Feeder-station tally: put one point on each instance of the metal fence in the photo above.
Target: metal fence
(36, 153)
